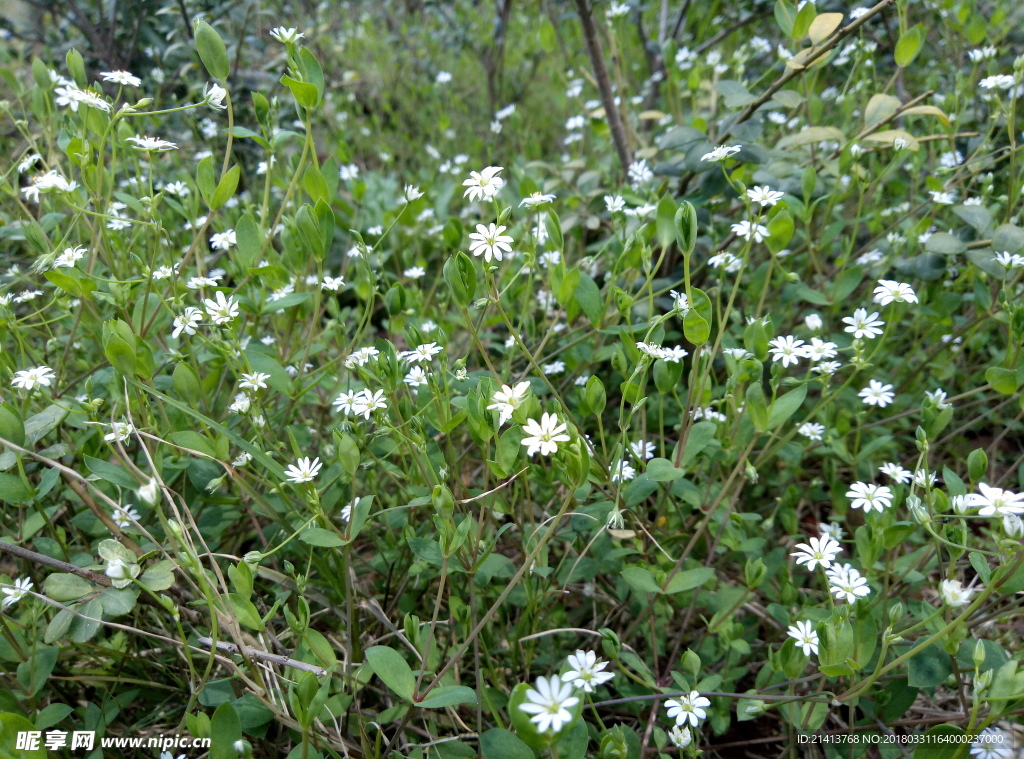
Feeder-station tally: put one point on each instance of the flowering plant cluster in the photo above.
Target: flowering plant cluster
(668, 396)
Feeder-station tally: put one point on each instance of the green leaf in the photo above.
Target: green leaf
(118, 601)
(663, 470)
(159, 576)
(87, 622)
(757, 407)
(311, 71)
(212, 50)
(785, 16)
(48, 717)
(13, 724)
(63, 587)
(785, 406)
(1007, 237)
(665, 221)
(640, 579)
(689, 579)
(206, 179)
(496, 743)
(317, 536)
(42, 424)
(701, 434)
(942, 742)
(286, 301)
(946, 244)
(115, 475)
(13, 490)
(305, 94)
(248, 241)
(448, 695)
(588, 295)
(802, 22)
(225, 188)
(194, 441)
(392, 669)
(695, 328)
(1003, 381)
(928, 667)
(909, 45)
(225, 729)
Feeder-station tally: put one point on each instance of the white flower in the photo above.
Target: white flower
(14, 593)
(213, 96)
(679, 302)
(443, 77)
(877, 394)
(643, 450)
(938, 397)
(421, 353)
(348, 172)
(996, 502)
(220, 309)
(943, 198)
(811, 430)
(366, 403)
(818, 349)
(489, 241)
(346, 401)
(1009, 260)
(832, 529)
(286, 34)
(614, 203)
(549, 701)
(861, 324)
(536, 199)
(119, 432)
(150, 492)
(889, 291)
(152, 144)
(508, 399)
(895, 471)
(954, 594)
(69, 95)
(847, 584)
(786, 349)
(817, 552)
(681, 737)
(124, 516)
(333, 284)
(555, 367)
(254, 381)
(27, 379)
(993, 743)
(805, 636)
(623, 472)
(545, 435)
(124, 78)
(764, 195)
(639, 172)
(721, 153)
(688, 709)
(483, 185)
(813, 322)
(223, 240)
(998, 82)
(303, 470)
(586, 671)
(187, 321)
(416, 377)
(751, 231)
(241, 404)
(869, 496)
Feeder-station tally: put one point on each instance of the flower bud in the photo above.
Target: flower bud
(149, 493)
(896, 612)
(979, 654)
(253, 558)
(1013, 526)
